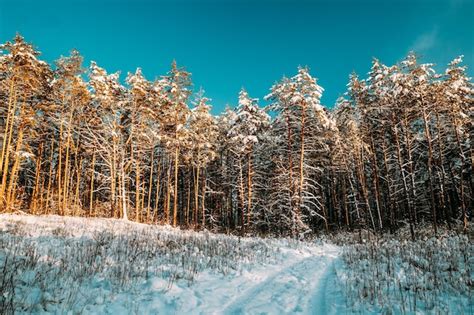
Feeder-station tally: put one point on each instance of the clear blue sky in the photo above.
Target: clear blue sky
(232, 44)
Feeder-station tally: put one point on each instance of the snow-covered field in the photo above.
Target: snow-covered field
(58, 265)
(67, 265)
(390, 276)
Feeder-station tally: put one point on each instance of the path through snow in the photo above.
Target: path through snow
(295, 278)
(298, 288)
(302, 284)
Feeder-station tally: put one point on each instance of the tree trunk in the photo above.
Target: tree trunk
(363, 186)
(175, 200)
(389, 190)
(157, 191)
(461, 175)
(36, 189)
(376, 181)
(442, 178)
(78, 182)
(301, 169)
(168, 197)
(66, 164)
(188, 204)
(59, 174)
(405, 185)
(6, 158)
(249, 189)
(290, 172)
(150, 186)
(50, 178)
(242, 197)
(124, 192)
(113, 178)
(91, 197)
(203, 203)
(137, 191)
(411, 171)
(196, 194)
(430, 171)
(8, 127)
(14, 171)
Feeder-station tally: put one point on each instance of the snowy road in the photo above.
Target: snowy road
(297, 288)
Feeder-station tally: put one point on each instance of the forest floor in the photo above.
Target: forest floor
(58, 265)
(55, 264)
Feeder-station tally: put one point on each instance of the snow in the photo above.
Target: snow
(432, 276)
(107, 266)
(62, 265)
(298, 287)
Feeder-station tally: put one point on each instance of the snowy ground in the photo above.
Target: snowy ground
(66, 265)
(390, 276)
(101, 266)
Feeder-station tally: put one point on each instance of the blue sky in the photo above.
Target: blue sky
(232, 44)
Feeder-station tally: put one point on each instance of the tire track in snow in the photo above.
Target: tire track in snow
(297, 288)
(319, 300)
(248, 296)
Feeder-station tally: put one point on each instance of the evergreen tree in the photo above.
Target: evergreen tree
(396, 149)
(201, 151)
(175, 113)
(245, 137)
(300, 122)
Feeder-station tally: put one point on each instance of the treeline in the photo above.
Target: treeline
(394, 151)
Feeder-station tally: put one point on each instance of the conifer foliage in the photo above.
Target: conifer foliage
(395, 150)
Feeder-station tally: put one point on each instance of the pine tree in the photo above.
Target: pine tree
(203, 134)
(250, 122)
(105, 134)
(70, 97)
(456, 111)
(297, 104)
(138, 123)
(175, 113)
(26, 80)
(395, 150)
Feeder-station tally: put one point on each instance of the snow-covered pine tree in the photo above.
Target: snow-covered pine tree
(348, 143)
(244, 139)
(387, 87)
(396, 150)
(25, 83)
(300, 124)
(456, 121)
(70, 96)
(223, 172)
(106, 137)
(137, 121)
(200, 151)
(420, 79)
(175, 112)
